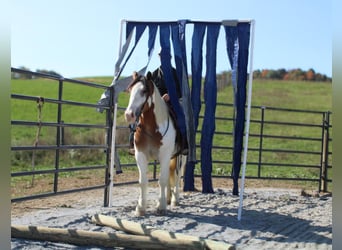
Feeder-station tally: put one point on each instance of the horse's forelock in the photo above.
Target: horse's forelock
(135, 80)
(147, 82)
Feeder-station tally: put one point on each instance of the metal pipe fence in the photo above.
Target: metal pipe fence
(278, 149)
(291, 144)
(58, 147)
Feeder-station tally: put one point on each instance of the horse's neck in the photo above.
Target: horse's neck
(160, 107)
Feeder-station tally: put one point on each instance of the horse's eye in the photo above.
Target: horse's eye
(145, 91)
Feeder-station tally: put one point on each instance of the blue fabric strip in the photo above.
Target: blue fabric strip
(178, 41)
(232, 46)
(210, 94)
(196, 69)
(166, 66)
(240, 97)
(138, 33)
(151, 38)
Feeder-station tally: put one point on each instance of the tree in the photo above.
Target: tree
(310, 75)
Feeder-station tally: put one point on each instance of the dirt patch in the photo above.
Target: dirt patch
(19, 208)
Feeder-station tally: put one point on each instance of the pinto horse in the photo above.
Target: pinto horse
(154, 139)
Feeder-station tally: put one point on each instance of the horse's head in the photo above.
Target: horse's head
(140, 90)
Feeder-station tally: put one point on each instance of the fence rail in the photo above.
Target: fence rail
(315, 153)
(58, 146)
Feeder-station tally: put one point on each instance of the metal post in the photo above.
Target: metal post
(323, 173)
(261, 138)
(112, 156)
(155, 170)
(248, 117)
(109, 124)
(62, 133)
(320, 184)
(326, 151)
(58, 136)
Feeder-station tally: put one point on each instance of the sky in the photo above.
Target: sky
(80, 38)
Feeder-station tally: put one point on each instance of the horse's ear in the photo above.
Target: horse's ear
(149, 75)
(135, 75)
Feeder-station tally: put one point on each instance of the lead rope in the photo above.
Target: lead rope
(40, 103)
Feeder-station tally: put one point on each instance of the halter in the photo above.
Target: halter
(148, 95)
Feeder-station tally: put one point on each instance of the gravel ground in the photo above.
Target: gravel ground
(272, 218)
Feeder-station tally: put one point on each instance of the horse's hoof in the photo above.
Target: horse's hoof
(139, 212)
(174, 203)
(161, 212)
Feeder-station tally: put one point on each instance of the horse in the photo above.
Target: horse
(154, 139)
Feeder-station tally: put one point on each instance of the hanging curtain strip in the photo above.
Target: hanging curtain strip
(243, 37)
(166, 66)
(123, 53)
(187, 105)
(139, 30)
(178, 42)
(210, 96)
(151, 39)
(177, 51)
(232, 47)
(121, 84)
(196, 69)
(140, 27)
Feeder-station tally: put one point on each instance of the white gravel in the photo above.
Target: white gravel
(271, 218)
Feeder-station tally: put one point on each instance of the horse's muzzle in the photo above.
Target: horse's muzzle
(129, 116)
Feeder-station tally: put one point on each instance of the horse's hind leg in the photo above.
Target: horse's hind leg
(179, 172)
(172, 182)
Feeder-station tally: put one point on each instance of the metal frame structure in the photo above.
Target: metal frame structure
(119, 69)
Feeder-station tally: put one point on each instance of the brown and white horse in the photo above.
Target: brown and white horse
(154, 138)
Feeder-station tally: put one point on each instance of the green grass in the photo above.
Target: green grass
(282, 94)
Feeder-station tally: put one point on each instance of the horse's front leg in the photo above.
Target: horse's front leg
(163, 182)
(143, 181)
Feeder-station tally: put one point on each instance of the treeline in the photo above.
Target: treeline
(16, 75)
(225, 76)
(282, 74)
(291, 75)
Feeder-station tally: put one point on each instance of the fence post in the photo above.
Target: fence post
(58, 136)
(263, 108)
(109, 123)
(325, 153)
(323, 184)
(155, 170)
(62, 133)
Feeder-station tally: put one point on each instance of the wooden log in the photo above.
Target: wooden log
(162, 235)
(100, 239)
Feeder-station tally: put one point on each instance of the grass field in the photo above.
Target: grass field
(293, 95)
